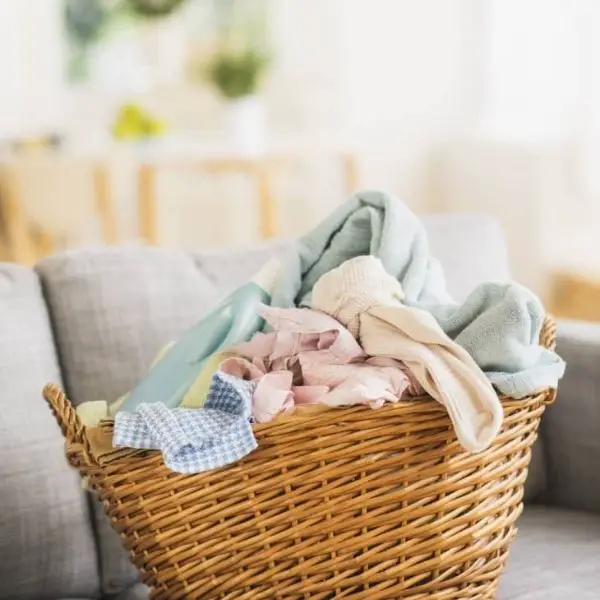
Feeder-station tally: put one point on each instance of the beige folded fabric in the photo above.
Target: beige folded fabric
(366, 299)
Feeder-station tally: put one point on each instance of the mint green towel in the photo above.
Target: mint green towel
(369, 222)
(499, 324)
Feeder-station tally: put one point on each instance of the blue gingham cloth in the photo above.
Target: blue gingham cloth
(194, 440)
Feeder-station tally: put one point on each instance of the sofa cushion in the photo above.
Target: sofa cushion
(112, 309)
(471, 248)
(228, 268)
(556, 556)
(46, 540)
(570, 426)
(137, 592)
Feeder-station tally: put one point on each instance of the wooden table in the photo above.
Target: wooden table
(575, 295)
(26, 244)
(261, 167)
(24, 240)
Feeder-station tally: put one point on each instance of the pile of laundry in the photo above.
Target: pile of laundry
(357, 314)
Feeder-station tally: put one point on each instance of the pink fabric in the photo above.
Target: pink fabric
(311, 358)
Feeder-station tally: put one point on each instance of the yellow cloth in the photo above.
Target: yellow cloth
(162, 352)
(195, 397)
(114, 407)
(91, 413)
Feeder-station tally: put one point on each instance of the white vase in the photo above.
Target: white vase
(245, 124)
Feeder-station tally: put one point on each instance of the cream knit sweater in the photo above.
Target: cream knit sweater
(361, 295)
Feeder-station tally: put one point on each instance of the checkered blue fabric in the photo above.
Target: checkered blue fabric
(194, 440)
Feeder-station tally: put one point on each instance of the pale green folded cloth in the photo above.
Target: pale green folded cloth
(499, 324)
(368, 222)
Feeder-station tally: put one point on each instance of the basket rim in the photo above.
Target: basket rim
(333, 417)
(79, 450)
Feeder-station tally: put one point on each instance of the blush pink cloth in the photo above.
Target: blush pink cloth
(310, 358)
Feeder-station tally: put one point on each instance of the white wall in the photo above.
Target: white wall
(394, 78)
(530, 158)
(393, 75)
(31, 51)
(531, 74)
(411, 80)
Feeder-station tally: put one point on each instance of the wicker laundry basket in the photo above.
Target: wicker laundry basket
(349, 503)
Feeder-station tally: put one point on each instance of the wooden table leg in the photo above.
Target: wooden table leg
(147, 204)
(266, 202)
(45, 242)
(17, 225)
(104, 205)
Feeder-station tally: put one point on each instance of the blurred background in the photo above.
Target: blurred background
(208, 122)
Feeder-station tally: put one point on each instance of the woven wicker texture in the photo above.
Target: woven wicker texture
(348, 503)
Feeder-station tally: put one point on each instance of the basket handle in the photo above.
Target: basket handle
(548, 333)
(548, 340)
(70, 424)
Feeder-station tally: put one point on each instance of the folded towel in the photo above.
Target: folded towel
(498, 324)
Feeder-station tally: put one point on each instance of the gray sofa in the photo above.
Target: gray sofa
(92, 320)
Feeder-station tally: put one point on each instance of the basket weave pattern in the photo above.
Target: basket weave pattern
(348, 503)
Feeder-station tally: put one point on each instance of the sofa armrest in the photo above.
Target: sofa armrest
(571, 427)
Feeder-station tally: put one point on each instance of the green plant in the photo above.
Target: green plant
(154, 8)
(237, 73)
(85, 22)
(84, 19)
